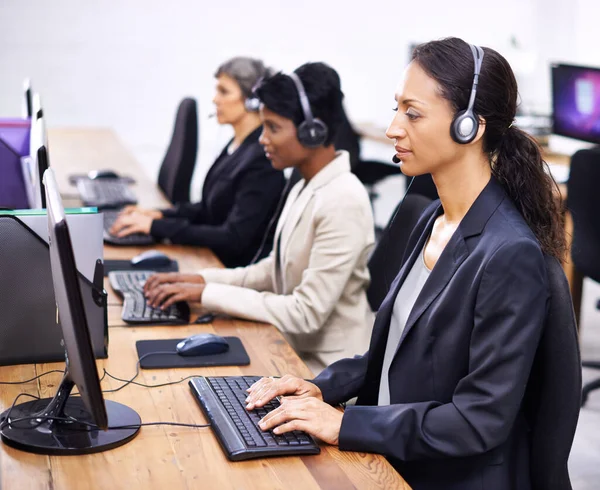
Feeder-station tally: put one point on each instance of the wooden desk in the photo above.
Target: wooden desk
(162, 456)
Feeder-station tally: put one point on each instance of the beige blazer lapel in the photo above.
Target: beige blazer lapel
(286, 209)
(297, 203)
(295, 213)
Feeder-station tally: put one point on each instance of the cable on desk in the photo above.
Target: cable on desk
(127, 382)
(106, 373)
(137, 373)
(92, 427)
(30, 380)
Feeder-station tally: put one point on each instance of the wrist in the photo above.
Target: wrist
(319, 393)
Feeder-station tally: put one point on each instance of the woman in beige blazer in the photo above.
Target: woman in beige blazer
(312, 286)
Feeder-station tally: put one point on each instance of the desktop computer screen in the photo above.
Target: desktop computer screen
(43, 164)
(576, 102)
(37, 164)
(69, 424)
(27, 96)
(36, 106)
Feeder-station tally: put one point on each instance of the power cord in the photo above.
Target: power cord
(30, 380)
(137, 373)
(93, 427)
(106, 373)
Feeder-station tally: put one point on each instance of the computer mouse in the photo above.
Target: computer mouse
(150, 258)
(102, 174)
(203, 344)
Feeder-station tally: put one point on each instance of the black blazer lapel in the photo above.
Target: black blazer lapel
(455, 252)
(222, 162)
(381, 326)
(452, 256)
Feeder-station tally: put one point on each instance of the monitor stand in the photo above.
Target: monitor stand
(78, 435)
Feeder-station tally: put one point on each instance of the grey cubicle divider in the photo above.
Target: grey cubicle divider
(28, 329)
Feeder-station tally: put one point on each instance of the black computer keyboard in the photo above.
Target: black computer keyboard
(130, 285)
(105, 193)
(222, 400)
(134, 239)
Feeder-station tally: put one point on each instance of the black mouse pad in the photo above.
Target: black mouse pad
(235, 356)
(125, 265)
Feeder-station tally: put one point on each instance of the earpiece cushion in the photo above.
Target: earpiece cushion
(312, 135)
(252, 104)
(464, 127)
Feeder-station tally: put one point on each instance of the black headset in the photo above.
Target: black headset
(252, 102)
(312, 132)
(465, 124)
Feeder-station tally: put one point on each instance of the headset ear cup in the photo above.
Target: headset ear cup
(312, 135)
(252, 104)
(464, 127)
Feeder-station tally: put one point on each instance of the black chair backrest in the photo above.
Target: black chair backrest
(346, 138)
(386, 260)
(553, 394)
(423, 185)
(177, 169)
(583, 201)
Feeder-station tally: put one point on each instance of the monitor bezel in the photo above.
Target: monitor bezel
(554, 67)
(78, 345)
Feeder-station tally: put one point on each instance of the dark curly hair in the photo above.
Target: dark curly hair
(323, 89)
(515, 156)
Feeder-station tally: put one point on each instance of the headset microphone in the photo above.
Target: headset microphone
(395, 159)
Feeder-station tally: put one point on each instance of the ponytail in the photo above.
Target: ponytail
(519, 167)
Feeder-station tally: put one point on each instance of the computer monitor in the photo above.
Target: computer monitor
(36, 106)
(576, 102)
(27, 102)
(39, 161)
(43, 164)
(69, 424)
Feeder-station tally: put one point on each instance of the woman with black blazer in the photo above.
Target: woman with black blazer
(241, 189)
(441, 388)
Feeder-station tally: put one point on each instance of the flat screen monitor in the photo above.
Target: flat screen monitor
(43, 164)
(576, 102)
(69, 424)
(27, 102)
(36, 106)
(38, 162)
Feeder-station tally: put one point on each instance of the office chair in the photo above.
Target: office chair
(388, 256)
(175, 176)
(553, 393)
(583, 202)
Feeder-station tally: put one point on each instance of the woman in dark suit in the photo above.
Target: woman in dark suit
(241, 189)
(440, 390)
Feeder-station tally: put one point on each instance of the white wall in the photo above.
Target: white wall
(126, 64)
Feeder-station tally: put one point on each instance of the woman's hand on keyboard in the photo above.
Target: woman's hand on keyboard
(152, 213)
(164, 295)
(311, 415)
(134, 222)
(156, 280)
(265, 389)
